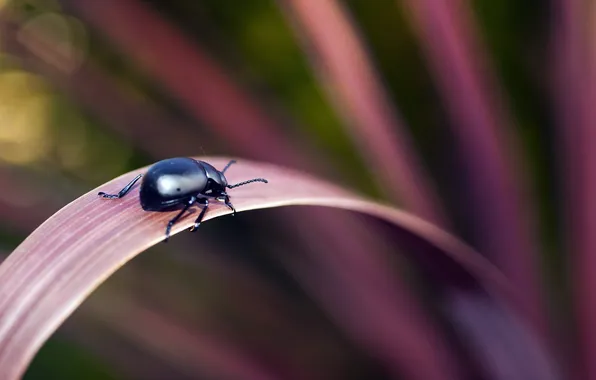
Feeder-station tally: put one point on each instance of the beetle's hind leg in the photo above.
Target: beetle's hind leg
(122, 192)
(190, 202)
(198, 221)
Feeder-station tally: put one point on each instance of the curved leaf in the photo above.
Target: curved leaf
(52, 272)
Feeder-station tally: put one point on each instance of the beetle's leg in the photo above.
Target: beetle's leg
(247, 182)
(122, 192)
(205, 203)
(190, 202)
(228, 166)
(229, 204)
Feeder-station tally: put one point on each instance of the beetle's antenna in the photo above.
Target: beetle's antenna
(227, 166)
(247, 182)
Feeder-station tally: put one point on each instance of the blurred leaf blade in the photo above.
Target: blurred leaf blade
(482, 123)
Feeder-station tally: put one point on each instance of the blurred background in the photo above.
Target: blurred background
(445, 109)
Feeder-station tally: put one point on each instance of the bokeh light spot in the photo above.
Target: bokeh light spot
(25, 109)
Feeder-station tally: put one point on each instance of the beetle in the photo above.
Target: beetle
(173, 182)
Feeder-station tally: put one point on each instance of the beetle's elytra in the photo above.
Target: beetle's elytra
(170, 183)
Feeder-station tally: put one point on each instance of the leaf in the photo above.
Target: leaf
(52, 272)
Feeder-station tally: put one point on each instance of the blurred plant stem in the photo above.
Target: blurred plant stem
(494, 169)
(195, 79)
(574, 56)
(337, 54)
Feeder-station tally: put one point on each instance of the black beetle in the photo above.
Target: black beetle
(182, 180)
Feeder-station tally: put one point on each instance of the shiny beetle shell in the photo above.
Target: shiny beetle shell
(169, 180)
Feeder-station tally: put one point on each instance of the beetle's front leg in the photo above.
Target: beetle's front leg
(229, 204)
